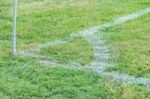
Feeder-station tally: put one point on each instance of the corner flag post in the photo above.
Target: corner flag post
(14, 27)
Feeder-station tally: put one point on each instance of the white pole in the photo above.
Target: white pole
(14, 27)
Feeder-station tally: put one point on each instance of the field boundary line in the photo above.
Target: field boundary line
(101, 52)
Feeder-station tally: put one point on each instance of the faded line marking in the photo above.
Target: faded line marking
(101, 52)
(117, 21)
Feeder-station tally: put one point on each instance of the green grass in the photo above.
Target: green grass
(24, 78)
(52, 22)
(41, 21)
(130, 44)
(77, 51)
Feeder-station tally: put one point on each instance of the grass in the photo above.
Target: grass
(47, 20)
(33, 80)
(129, 44)
(77, 50)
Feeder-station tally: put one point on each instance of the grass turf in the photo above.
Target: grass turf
(47, 20)
(25, 78)
(130, 46)
(77, 50)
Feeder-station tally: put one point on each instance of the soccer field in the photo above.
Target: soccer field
(78, 49)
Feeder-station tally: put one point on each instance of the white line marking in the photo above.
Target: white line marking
(92, 30)
(101, 52)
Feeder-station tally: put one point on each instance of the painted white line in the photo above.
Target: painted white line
(101, 52)
(48, 60)
(128, 78)
(92, 30)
